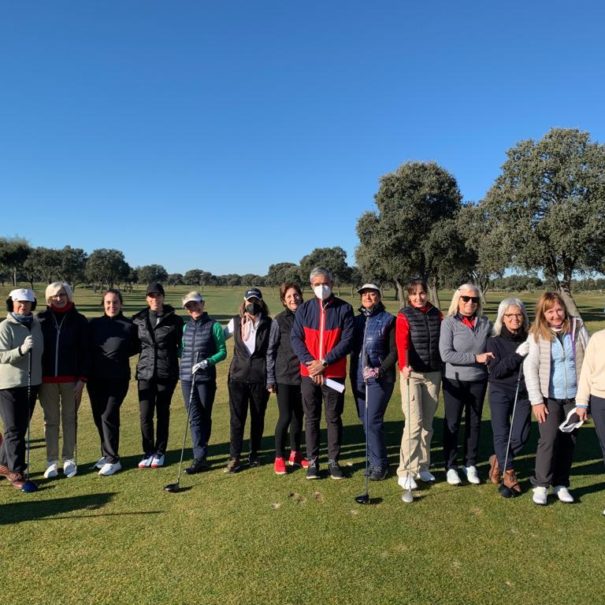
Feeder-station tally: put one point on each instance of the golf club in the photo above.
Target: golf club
(407, 495)
(506, 492)
(176, 486)
(28, 485)
(365, 497)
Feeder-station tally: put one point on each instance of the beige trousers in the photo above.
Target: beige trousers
(60, 408)
(415, 450)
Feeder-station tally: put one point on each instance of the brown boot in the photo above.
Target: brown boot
(494, 470)
(510, 480)
(16, 479)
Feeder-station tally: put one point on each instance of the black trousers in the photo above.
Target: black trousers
(501, 401)
(155, 396)
(15, 411)
(106, 397)
(597, 411)
(313, 397)
(555, 448)
(241, 396)
(289, 403)
(459, 396)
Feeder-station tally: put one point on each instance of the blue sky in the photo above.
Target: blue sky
(228, 136)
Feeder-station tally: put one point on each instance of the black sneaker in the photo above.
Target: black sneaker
(335, 470)
(378, 474)
(198, 466)
(253, 460)
(313, 471)
(233, 465)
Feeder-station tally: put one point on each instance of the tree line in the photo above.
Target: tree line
(544, 216)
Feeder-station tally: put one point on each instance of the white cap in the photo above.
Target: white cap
(22, 295)
(193, 297)
(369, 287)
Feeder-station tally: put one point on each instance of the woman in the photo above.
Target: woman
(21, 346)
(203, 347)
(113, 340)
(509, 347)
(251, 375)
(372, 373)
(287, 377)
(462, 346)
(556, 349)
(159, 330)
(65, 367)
(590, 398)
(417, 331)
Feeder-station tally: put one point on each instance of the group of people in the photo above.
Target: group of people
(551, 369)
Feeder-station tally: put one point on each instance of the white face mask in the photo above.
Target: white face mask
(322, 291)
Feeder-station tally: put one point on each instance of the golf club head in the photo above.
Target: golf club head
(407, 496)
(29, 487)
(172, 488)
(363, 499)
(506, 492)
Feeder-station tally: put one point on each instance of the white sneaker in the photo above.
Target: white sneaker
(157, 461)
(99, 463)
(452, 477)
(407, 482)
(563, 494)
(472, 476)
(540, 496)
(425, 476)
(146, 462)
(110, 468)
(52, 471)
(70, 469)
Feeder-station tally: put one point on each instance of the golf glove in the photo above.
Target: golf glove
(201, 365)
(523, 349)
(370, 373)
(28, 345)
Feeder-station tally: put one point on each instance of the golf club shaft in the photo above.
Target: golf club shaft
(29, 396)
(409, 411)
(512, 420)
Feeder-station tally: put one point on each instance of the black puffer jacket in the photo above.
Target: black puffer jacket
(159, 345)
(66, 350)
(287, 364)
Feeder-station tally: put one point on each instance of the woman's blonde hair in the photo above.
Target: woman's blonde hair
(458, 293)
(55, 288)
(540, 327)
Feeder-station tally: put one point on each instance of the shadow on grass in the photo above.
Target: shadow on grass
(16, 512)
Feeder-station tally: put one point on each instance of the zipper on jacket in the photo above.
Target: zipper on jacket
(322, 321)
(58, 327)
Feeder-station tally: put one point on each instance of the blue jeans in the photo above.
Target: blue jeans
(378, 393)
(200, 414)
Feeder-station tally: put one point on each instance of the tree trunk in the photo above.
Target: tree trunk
(565, 291)
(400, 293)
(433, 292)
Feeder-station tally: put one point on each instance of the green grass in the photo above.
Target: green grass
(255, 538)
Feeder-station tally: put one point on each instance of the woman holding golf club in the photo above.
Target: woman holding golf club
(552, 367)
(251, 375)
(372, 373)
(159, 330)
(113, 340)
(417, 331)
(65, 367)
(287, 378)
(591, 388)
(21, 346)
(203, 347)
(508, 401)
(462, 346)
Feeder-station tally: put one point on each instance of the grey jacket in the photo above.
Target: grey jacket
(458, 345)
(14, 367)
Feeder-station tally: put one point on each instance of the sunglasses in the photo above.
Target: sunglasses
(473, 299)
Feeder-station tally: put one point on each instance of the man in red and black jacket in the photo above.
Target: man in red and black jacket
(322, 337)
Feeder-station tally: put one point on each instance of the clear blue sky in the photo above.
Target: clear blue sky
(231, 135)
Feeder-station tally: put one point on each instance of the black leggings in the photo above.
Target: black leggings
(289, 403)
(16, 412)
(155, 395)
